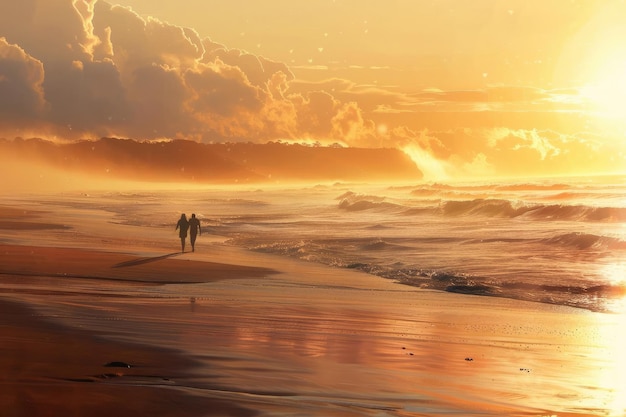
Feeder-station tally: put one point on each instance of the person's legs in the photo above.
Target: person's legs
(192, 238)
(182, 243)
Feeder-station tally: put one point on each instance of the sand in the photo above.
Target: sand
(225, 332)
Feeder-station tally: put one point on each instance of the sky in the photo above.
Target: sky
(468, 89)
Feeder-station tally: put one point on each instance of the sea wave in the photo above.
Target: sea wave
(575, 195)
(586, 241)
(351, 201)
(362, 205)
(580, 295)
(362, 256)
(427, 189)
(578, 213)
(533, 187)
(380, 245)
(491, 240)
(486, 207)
(506, 208)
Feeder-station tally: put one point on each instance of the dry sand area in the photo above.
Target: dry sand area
(99, 318)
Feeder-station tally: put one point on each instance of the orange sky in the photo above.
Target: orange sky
(412, 44)
(467, 88)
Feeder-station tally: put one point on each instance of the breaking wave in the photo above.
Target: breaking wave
(483, 207)
(505, 208)
(486, 207)
(362, 205)
(580, 295)
(356, 202)
(578, 213)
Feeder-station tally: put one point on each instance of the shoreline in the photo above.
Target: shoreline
(229, 332)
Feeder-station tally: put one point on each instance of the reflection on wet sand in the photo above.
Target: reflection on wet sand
(395, 357)
(610, 375)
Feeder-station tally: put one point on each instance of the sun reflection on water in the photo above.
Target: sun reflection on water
(613, 376)
(615, 274)
(616, 375)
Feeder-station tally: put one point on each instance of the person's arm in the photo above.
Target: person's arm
(199, 228)
(177, 224)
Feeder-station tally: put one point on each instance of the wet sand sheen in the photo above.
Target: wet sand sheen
(53, 370)
(283, 338)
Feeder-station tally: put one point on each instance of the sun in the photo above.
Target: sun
(606, 94)
(594, 59)
(600, 61)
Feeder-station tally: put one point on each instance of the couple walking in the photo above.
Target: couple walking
(193, 225)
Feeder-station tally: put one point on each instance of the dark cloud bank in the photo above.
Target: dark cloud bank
(88, 69)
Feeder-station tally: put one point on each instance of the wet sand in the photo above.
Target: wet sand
(227, 332)
(54, 370)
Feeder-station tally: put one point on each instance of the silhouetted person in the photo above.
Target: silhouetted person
(183, 225)
(194, 228)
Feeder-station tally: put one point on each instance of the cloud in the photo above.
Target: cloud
(50, 30)
(98, 69)
(258, 70)
(137, 42)
(77, 69)
(156, 95)
(223, 89)
(21, 84)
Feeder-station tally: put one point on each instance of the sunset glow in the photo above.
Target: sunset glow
(472, 89)
(336, 208)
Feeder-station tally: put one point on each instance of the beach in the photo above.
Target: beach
(402, 209)
(101, 316)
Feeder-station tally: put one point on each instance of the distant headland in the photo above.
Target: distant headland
(188, 161)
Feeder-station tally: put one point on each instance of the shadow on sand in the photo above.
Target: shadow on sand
(142, 261)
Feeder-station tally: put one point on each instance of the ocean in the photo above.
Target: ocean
(317, 338)
(552, 241)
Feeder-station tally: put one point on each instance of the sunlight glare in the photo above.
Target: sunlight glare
(615, 273)
(606, 93)
(615, 376)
